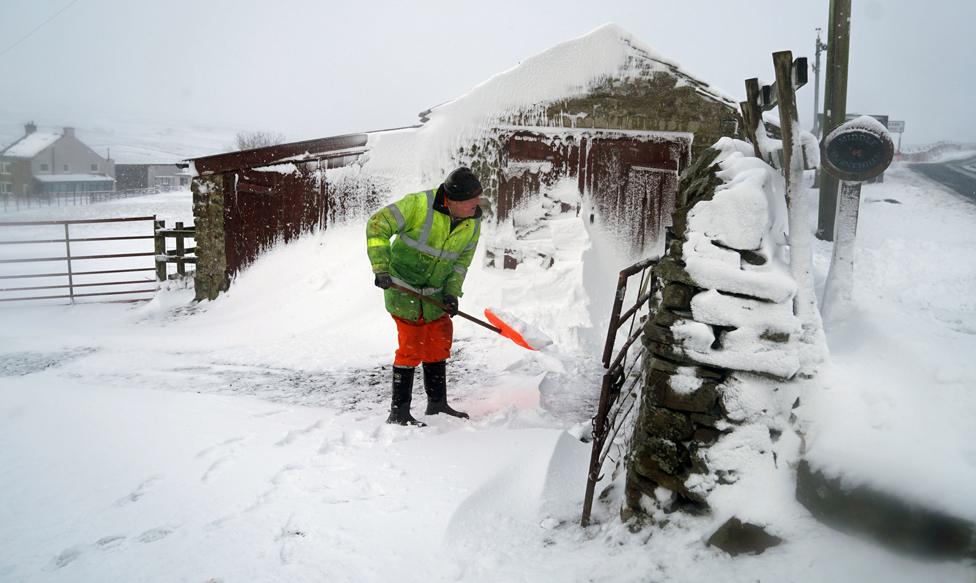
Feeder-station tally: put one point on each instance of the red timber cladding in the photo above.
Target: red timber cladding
(266, 207)
(631, 178)
(262, 207)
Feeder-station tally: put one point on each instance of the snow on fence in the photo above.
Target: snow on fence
(179, 255)
(18, 202)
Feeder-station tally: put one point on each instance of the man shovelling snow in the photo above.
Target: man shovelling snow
(436, 233)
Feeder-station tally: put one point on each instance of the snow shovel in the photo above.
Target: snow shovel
(500, 327)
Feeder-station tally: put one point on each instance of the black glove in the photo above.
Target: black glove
(383, 281)
(451, 303)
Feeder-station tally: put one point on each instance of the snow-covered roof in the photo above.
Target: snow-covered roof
(73, 178)
(31, 145)
(568, 68)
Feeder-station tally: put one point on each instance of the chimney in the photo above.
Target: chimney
(69, 132)
(29, 128)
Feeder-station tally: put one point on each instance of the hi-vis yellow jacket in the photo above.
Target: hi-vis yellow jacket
(427, 255)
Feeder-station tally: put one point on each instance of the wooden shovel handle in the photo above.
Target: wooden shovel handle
(431, 300)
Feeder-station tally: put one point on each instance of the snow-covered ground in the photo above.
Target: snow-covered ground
(896, 409)
(243, 439)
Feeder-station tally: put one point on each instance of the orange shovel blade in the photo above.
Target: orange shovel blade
(506, 330)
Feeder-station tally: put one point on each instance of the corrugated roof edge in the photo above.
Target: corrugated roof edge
(284, 153)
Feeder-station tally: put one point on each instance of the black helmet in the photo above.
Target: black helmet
(462, 184)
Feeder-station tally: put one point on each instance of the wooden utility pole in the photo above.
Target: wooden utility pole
(835, 104)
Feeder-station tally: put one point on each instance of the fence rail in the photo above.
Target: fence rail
(179, 254)
(70, 261)
(613, 410)
(17, 202)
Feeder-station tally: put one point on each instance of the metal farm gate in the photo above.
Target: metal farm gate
(111, 259)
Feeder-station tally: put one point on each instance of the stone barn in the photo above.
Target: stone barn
(600, 125)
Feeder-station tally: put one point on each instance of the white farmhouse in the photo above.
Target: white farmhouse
(45, 163)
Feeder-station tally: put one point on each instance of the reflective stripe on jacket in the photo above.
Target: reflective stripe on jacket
(426, 255)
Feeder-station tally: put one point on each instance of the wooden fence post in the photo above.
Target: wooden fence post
(180, 248)
(801, 240)
(160, 249)
(752, 111)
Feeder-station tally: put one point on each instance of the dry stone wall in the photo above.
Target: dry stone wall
(717, 394)
(715, 434)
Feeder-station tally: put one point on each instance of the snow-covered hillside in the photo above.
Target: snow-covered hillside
(243, 439)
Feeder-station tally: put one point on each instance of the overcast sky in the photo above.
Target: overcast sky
(314, 68)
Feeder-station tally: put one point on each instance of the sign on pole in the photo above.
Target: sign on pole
(855, 151)
(896, 127)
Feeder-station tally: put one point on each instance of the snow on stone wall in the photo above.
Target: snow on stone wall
(714, 427)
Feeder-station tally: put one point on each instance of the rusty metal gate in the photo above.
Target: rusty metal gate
(622, 381)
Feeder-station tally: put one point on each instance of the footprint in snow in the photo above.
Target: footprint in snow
(155, 534)
(227, 450)
(110, 542)
(209, 474)
(140, 491)
(333, 442)
(277, 481)
(222, 445)
(288, 538)
(67, 556)
(291, 436)
(270, 413)
(72, 553)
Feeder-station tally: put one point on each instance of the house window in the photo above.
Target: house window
(66, 168)
(94, 167)
(5, 188)
(4, 167)
(45, 167)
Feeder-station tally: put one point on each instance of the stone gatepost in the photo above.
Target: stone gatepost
(208, 216)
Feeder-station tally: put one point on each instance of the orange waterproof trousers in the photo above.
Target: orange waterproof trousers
(423, 341)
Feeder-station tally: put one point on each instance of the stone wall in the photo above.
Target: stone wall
(673, 426)
(657, 102)
(716, 435)
(722, 354)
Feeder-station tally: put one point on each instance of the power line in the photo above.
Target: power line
(37, 28)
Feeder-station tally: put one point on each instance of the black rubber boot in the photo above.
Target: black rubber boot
(402, 395)
(435, 384)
